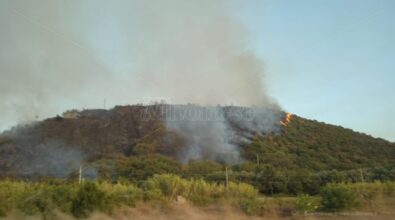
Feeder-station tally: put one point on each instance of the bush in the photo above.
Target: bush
(170, 185)
(199, 192)
(9, 194)
(88, 199)
(42, 198)
(63, 195)
(270, 180)
(371, 195)
(389, 188)
(121, 194)
(141, 168)
(253, 206)
(204, 193)
(337, 197)
(202, 168)
(35, 199)
(305, 203)
(241, 191)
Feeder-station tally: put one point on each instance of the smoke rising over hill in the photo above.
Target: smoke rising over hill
(60, 55)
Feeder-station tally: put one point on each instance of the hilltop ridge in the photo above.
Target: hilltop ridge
(92, 135)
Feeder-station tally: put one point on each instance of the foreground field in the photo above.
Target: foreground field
(172, 197)
(179, 211)
(349, 217)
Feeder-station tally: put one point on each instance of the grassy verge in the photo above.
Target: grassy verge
(81, 200)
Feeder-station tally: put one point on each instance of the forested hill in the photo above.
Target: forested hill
(93, 135)
(318, 146)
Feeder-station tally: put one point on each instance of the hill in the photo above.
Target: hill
(314, 145)
(57, 146)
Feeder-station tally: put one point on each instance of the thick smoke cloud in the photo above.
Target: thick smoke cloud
(59, 55)
(42, 67)
(217, 132)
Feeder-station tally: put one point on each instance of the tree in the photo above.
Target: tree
(337, 197)
(270, 180)
(140, 168)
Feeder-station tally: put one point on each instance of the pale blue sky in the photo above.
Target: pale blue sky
(329, 60)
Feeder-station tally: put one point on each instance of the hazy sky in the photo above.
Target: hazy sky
(330, 60)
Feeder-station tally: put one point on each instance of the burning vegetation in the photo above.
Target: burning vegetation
(287, 118)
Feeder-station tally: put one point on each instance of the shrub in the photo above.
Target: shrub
(202, 168)
(389, 188)
(9, 194)
(170, 185)
(34, 199)
(199, 192)
(89, 197)
(141, 168)
(121, 194)
(204, 193)
(253, 206)
(337, 197)
(63, 195)
(371, 195)
(241, 191)
(305, 203)
(270, 180)
(42, 198)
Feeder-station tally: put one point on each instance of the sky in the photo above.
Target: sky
(330, 60)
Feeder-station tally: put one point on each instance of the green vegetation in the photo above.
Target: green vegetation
(305, 157)
(269, 180)
(142, 167)
(306, 203)
(315, 146)
(81, 200)
(44, 198)
(336, 197)
(318, 167)
(88, 198)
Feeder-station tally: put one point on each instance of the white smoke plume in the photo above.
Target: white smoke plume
(59, 55)
(215, 132)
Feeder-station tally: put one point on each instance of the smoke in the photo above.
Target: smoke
(52, 158)
(59, 55)
(206, 130)
(215, 132)
(43, 70)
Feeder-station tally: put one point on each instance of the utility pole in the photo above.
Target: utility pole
(80, 176)
(361, 173)
(227, 177)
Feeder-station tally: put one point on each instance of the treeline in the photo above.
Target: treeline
(269, 180)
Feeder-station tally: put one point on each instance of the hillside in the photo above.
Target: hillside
(314, 145)
(56, 146)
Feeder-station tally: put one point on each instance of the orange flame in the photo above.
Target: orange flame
(286, 119)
